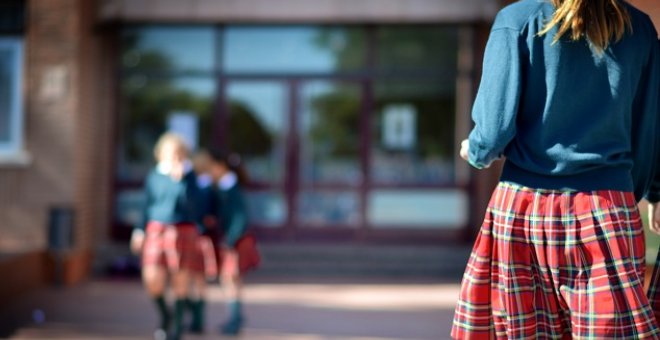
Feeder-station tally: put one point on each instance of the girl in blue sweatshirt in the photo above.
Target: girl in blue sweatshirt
(569, 100)
(231, 212)
(167, 238)
(654, 223)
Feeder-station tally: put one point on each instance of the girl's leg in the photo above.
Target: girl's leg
(181, 287)
(231, 284)
(606, 293)
(155, 280)
(197, 302)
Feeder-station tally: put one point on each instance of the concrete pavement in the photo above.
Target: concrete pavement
(277, 311)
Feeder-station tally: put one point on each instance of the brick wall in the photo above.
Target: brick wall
(95, 119)
(68, 130)
(28, 191)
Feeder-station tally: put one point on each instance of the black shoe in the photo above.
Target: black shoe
(174, 335)
(196, 329)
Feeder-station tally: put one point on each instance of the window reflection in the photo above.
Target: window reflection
(417, 48)
(413, 133)
(329, 208)
(257, 127)
(148, 104)
(163, 48)
(11, 110)
(418, 208)
(267, 208)
(330, 132)
(293, 49)
(5, 93)
(409, 90)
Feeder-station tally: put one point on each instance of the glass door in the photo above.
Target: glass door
(330, 155)
(257, 126)
(302, 147)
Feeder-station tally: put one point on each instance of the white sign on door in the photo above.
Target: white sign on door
(400, 126)
(186, 125)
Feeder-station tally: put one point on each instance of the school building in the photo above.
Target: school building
(347, 113)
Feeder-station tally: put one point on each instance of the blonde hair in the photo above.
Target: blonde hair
(600, 21)
(167, 138)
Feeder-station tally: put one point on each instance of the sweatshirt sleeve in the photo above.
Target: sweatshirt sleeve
(148, 200)
(645, 134)
(197, 201)
(654, 190)
(496, 105)
(237, 219)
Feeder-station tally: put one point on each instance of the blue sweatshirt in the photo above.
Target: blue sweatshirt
(231, 210)
(564, 116)
(170, 202)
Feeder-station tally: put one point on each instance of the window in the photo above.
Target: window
(162, 49)
(339, 127)
(11, 110)
(293, 49)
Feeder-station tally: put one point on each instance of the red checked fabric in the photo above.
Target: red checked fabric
(654, 289)
(556, 265)
(205, 258)
(172, 247)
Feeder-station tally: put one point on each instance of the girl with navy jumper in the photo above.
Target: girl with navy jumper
(206, 268)
(167, 238)
(569, 99)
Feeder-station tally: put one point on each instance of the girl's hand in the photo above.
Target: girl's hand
(654, 217)
(465, 149)
(137, 241)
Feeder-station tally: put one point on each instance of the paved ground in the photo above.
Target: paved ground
(278, 311)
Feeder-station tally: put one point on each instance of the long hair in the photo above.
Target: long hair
(170, 137)
(232, 161)
(601, 22)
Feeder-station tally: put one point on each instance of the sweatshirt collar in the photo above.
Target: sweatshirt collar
(204, 180)
(166, 168)
(228, 181)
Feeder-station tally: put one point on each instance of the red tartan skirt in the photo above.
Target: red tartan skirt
(654, 288)
(205, 258)
(556, 265)
(242, 259)
(174, 247)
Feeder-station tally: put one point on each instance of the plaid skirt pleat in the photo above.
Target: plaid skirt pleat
(206, 262)
(556, 265)
(654, 288)
(173, 247)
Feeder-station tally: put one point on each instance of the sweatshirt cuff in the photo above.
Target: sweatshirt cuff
(475, 164)
(653, 197)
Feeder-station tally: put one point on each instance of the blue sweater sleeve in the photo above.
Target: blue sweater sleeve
(147, 204)
(646, 147)
(496, 106)
(236, 217)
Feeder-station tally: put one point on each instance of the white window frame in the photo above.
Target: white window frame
(12, 152)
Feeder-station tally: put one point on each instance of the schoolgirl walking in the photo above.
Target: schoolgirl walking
(167, 240)
(238, 252)
(569, 98)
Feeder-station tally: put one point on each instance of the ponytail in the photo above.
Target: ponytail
(601, 22)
